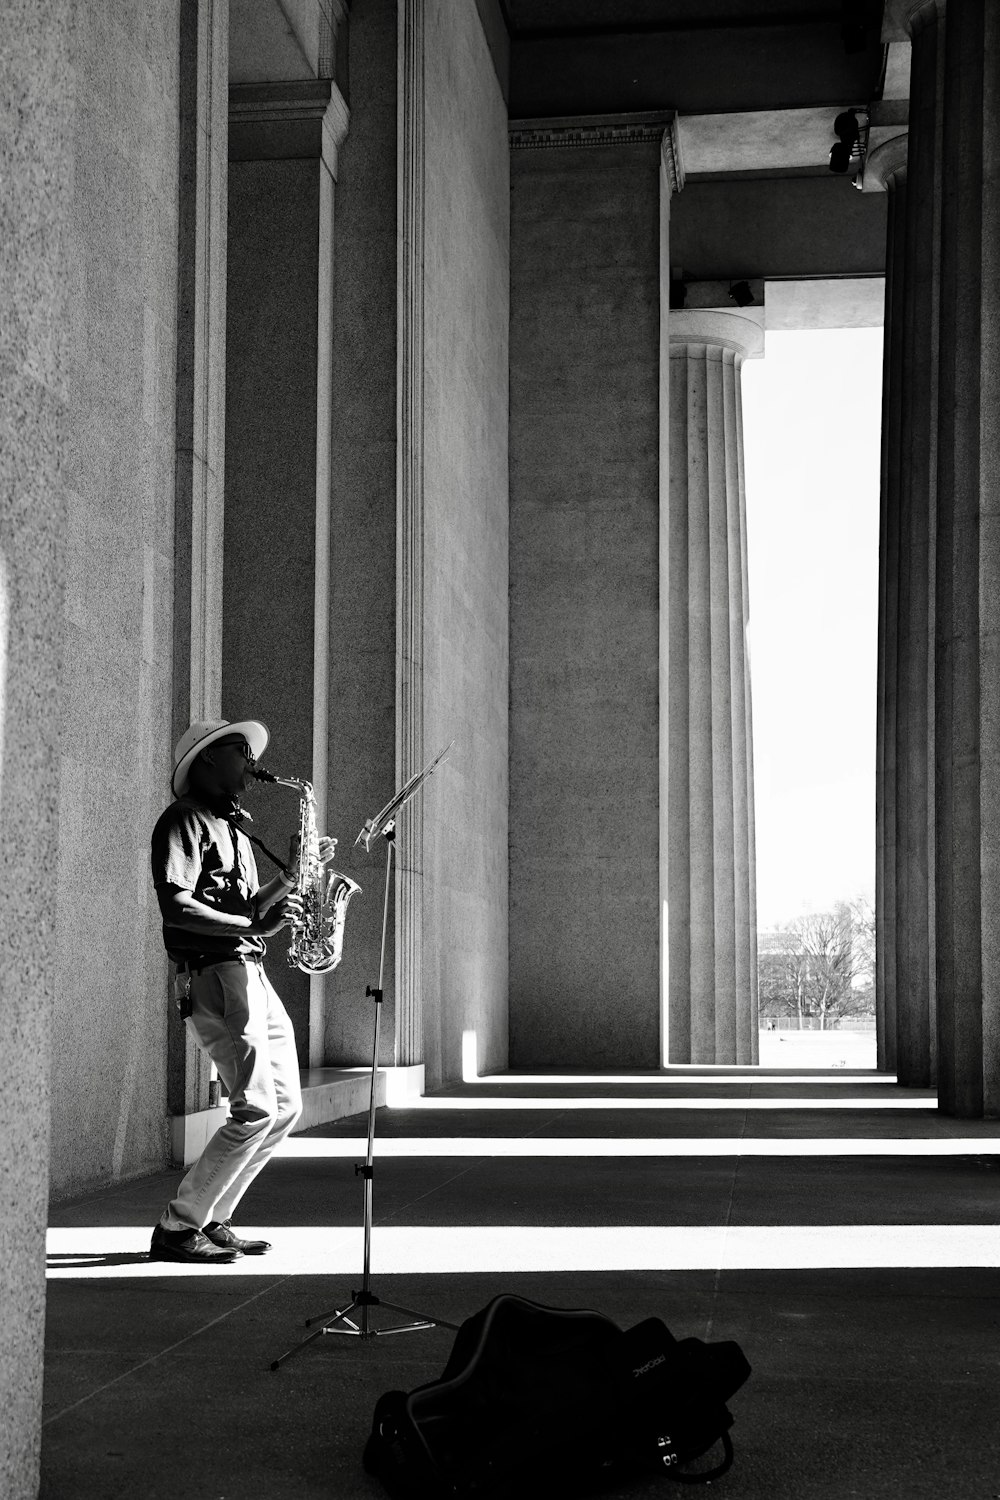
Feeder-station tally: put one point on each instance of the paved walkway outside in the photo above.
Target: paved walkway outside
(837, 1226)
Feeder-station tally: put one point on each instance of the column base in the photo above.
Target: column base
(403, 1085)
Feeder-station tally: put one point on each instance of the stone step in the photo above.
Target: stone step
(333, 1093)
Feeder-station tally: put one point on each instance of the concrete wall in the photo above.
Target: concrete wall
(109, 1024)
(584, 936)
(87, 356)
(35, 250)
(465, 645)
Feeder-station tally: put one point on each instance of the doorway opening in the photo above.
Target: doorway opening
(812, 434)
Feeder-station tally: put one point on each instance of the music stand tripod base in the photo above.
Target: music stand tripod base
(340, 1321)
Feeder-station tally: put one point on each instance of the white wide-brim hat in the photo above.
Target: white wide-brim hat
(204, 733)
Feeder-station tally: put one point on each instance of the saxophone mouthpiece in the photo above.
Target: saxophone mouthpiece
(261, 774)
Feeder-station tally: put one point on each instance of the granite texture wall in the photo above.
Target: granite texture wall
(35, 252)
(584, 589)
(110, 1014)
(465, 581)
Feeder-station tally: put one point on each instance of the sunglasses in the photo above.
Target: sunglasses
(242, 747)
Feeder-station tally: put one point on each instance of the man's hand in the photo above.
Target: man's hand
(281, 914)
(327, 850)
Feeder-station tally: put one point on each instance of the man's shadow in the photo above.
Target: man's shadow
(85, 1262)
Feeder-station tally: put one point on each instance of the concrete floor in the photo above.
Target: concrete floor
(835, 1225)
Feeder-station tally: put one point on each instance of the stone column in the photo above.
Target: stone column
(362, 668)
(671, 182)
(200, 432)
(710, 878)
(39, 323)
(906, 984)
(587, 404)
(201, 360)
(410, 534)
(885, 170)
(421, 380)
(284, 140)
(968, 571)
(914, 820)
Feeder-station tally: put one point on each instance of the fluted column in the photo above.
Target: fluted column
(885, 170)
(710, 858)
(671, 931)
(968, 571)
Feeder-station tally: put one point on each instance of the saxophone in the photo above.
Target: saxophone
(318, 936)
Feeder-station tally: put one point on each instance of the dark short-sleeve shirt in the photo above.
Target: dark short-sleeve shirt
(195, 850)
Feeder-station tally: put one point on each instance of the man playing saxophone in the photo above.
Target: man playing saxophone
(216, 918)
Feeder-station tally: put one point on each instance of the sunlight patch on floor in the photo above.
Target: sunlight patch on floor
(387, 1147)
(674, 1077)
(300, 1250)
(924, 1101)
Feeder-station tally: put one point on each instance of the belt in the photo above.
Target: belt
(195, 965)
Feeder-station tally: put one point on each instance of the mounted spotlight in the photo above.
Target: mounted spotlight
(740, 293)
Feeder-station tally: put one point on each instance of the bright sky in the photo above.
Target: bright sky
(812, 418)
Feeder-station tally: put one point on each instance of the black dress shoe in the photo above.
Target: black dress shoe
(222, 1235)
(191, 1247)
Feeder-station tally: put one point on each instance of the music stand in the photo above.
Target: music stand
(339, 1320)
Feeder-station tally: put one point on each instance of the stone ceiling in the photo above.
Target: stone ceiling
(698, 56)
(575, 15)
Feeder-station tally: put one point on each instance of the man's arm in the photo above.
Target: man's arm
(278, 889)
(181, 908)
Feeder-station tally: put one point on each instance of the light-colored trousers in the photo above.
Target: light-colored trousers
(238, 1019)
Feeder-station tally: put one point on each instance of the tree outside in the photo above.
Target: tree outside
(819, 970)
